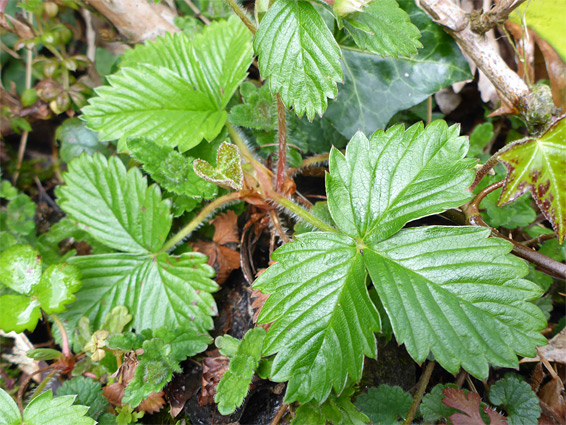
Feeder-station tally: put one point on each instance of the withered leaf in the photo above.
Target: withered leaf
(213, 368)
(469, 404)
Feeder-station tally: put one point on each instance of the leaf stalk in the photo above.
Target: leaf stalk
(423, 383)
(242, 15)
(302, 213)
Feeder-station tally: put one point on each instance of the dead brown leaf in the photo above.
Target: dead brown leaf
(152, 404)
(213, 368)
(469, 405)
(556, 69)
(555, 351)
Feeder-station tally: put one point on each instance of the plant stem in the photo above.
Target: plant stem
(43, 383)
(483, 22)
(195, 222)
(242, 15)
(282, 154)
(197, 12)
(423, 383)
(302, 213)
(237, 139)
(482, 172)
(429, 110)
(64, 339)
(539, 239)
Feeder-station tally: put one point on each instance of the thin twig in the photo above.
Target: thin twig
(282, 151)
(197, 12)
(461, 378)
(483, 22)
(423, 383)
(429, 110)
(242, 15)
(278, 227)
(280, 413)
(539, 239)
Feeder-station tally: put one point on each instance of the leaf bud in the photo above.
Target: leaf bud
(344, 7)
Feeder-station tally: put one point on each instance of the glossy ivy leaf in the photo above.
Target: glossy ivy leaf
(299, 55)
(20, 268)
(228, 171)
(336, 410)
(395, 177)
(382, 27)
(455, 293)
(194, 79)
(539, 166)
(374, 88)
(115, 206)
(154, 370)
(88, 392)
(324, 320)
(518, 399)
(171, 169)
(75, 138)
(385, 404)
(18, 313)
(235, 382)
(160, 290)
(57, 286)
(43, 410)
(214, 62)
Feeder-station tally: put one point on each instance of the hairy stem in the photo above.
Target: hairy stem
(423, 383)
(195, 222)
(64, 339)
(482, 172)
(282, 153)
(43, 383)
(238, 141)
(242, 15)
(302, 213)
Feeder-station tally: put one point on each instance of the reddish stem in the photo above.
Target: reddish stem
(282, 159)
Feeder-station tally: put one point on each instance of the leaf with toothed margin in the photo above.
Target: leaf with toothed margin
(324, 320)
(454, 292)
(539, 166)
(160, 290)
(228, 171)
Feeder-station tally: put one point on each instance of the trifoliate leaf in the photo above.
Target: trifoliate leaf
(452, 291)
(214, 62)
(336, 410)
(395, 177)
(133, 106)
(299, 55)
(114, 206)
(20, 269)
(171, 169)
(518, 399)
(235, 382)
(432, 408)
(9, 412)
(154, 370)
(57, 286)
(75, 138)
(385, 404)
(539, 166)
(227, 345)
(46, 410)
(88, 392)
(384, 28)
(324, 320)
(185, 342)
(375, 88)
(228, 171)
(259, 109)
(18, 313)
(159, 290)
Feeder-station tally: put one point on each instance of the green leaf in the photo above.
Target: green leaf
(320, 211)
(518, 399)
(20, 268)
(337, 410)
(228, 171)
(396, 177)
(44, 354)
(18, 313)
(160, 290)
(134, 106)
(172, 170)
(518, 213)
(214, 62)
(20, 212)
(259, 109)
(9, 412)
(374, 88)
(235, 383)
(227, 345)
(154, 370)
(117, 319)
(46, 410)
(455, 293)
(432, 408)
(299, 55)
(88, 392)
(385, 404)
(75, 138)
(384, 28)
(324, 320)
(57, 286)
(539, 166)
(480, 137)
(7, 191)
(114, 206)
(185, 341)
